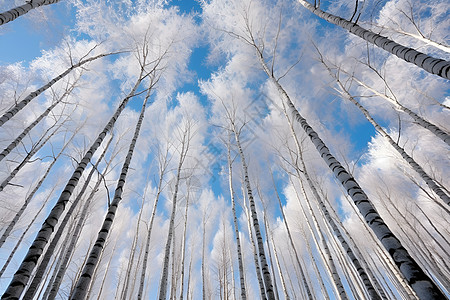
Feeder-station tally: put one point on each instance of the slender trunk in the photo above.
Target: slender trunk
(18, 11)
(417, 119)
(106, 270)
(32, 288)
(300, 266)
(430, 64)
(189, 279)
(9, 114)
(22, 276)
(165, 271)
(81, 220)
(414, 275)
(261, 253)
(367, 283)
(33, 192)
(235, 223)
(204, 296)
(183, 250)
(18, 243)
(414, 165)
(36, 147)
(126, 282)
(255, 253)
(94, 256)
(163, 166)
(328, 269)
(269, 235)
(16, 142)
(58, 260)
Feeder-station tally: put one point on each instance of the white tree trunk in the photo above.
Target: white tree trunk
(22, 276)
(291, 241)
(81, 220)
(18, 11)
(414, 275)
(430, 64)
(165, 270)
(235, 223)
(10, 113)
(94, 256)
(418, 120)
(259, 239)
(162, 168)
(414, 165)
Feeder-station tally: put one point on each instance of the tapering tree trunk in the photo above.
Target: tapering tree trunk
(16, 142)
(235, 223)
(288, 231)
(367, 283)
(35, 148)
(414, 165)
(21, 277)
(32, 288)
(13, 111)
(430, 64)
(18, 11)
(204, 296)
(417, 119)
(183, 250)
(94, 256)
(322, 249)
(255, 251)
(270, 241)
(126, 282)
(415, 276)
(33, 192)
(163, 167)
(22, 236)
(165, 270)
(79, 226)
(261, 253)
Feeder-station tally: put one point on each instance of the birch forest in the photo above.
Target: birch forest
(225, 149)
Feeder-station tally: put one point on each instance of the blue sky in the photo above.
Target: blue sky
(25, 38)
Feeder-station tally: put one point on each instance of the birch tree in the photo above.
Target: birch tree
(254, 216)
(430, 64)
(163, 160)
(416, 277)
(186, 136)
(59, 274)
(18, 11)
(40, 272)
(82, 285)
(235, 222)
(23, 274)
(19, 106)
(440, 191)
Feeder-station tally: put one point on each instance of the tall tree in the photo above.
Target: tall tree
(440, 191)
(235, 222)
(186, 136)
(254, 216)
(163, 160)
(22, 276)
(18, 11)
(430, 64)
(16, 108)
(416, 277)
(82, 285)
